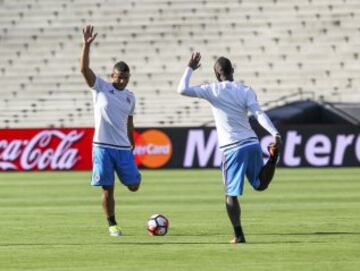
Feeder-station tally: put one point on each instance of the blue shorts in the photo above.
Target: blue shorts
(237, 163)
(107, 160)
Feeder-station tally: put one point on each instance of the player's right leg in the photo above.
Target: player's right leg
(103, 175)
(267, 172)
(261, 175)
(108, 204)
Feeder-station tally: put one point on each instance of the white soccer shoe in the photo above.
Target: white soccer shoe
(115, 230)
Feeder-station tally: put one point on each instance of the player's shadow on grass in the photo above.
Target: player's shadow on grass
(169, 242)
(324, 233)
(248, 243)
(119, 243)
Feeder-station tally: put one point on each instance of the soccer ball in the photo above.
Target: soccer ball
(157, 225)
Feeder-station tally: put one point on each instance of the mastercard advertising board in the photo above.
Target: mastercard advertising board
(153, 148)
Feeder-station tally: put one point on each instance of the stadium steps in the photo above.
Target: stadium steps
(278, 47)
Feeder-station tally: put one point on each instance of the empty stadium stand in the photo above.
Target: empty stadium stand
(283, 49)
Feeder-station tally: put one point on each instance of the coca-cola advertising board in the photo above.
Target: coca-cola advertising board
(46, 149)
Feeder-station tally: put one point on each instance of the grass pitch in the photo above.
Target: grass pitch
(309, 219)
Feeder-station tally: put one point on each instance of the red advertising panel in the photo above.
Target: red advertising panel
(71, 149)
(46, 149)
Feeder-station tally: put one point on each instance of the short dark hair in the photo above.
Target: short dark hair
(121, 67)
(223, 66)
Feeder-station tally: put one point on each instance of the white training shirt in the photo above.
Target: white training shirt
(112, 107)
(230, 102)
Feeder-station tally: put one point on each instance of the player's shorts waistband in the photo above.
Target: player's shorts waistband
(111, 146)
(239, 144)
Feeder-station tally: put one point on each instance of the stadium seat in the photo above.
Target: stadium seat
(278, 47)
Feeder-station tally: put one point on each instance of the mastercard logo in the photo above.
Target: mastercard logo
(153, 148)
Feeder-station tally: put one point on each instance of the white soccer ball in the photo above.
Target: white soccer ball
(158, 225)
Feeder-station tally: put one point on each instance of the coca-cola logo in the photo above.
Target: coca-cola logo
(48, 149)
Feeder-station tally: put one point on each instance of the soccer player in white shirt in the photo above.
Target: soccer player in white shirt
(242, 156)
(113, 138)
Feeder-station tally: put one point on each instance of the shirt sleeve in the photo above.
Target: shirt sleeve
(251, 97)
(99, 84)
(254, 107)
(184, 88)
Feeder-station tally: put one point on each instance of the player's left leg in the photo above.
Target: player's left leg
(234, 212)
(133, 188)
(233, 168)
(127, 170)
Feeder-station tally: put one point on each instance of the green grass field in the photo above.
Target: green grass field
(309, 219)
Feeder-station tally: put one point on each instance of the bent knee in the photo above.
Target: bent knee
(133, 188)
(261, 188)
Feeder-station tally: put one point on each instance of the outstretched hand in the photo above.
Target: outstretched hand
(88, 36)
(194, 62)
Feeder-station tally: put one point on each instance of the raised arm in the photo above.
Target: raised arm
(184, 87)
(88, 38)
